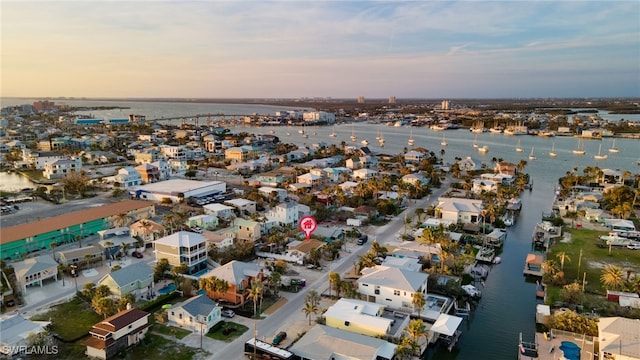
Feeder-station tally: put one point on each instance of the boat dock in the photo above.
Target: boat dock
(486, 255)
(533, 265)
(550, 347)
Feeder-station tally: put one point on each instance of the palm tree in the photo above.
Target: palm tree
(309, 309)
(377, 249)
(416, 329)
(418, 301)
(255, 293)
(313, 297)
(274, 282)
(104, 306)
(334, 281)
(120, 220)
(562, 256)
(612, 277)
(407, 348)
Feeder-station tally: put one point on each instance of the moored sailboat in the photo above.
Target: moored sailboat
(519, 147)
(580, 149)
(444, 141)
(613, 148)
(410, 142)
(531, 156)
(600, 156)
(553, 152)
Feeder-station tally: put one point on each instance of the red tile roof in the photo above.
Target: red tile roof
(34, 228)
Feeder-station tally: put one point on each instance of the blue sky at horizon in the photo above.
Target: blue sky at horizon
(247, 49)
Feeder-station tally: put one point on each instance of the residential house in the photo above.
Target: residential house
(248, 230)
(178, 166)
(284, 214)
(135, 279)
(310, 179)
(220, 239)
(364, 174)
(358, 316)
(459, 210)
(469, 164)
(60, 168)
(337, 174)
(117, 242)
(273, 193)
(271, 178)
(173, 152)
(241, 153)
(38, 159)
(183, 247)
(147, 230)
(414, 156)
(148, 173)
(365, 211)
(416, 179)
(244, 207)
(164, 169)
(16, 334)
(503, 179)
(506, 168)
(34, 271)
(325, 342)
(147, 156)
(120, 331)
(239, 276)
(391, 286)
(128, 176)
(329, 233)
(78, 255)
(482, 185)
(219, 210)
(198, 314)
(203, 221)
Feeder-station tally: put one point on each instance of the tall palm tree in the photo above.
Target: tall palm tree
(255, 293)
(562, 256)
(407, 348)
(334, 281)
(418, 301)
(120, 220)
(612, 277)
(416, 330)
(310, 309)
(313, 297)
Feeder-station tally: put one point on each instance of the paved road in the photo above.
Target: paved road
(269, 326)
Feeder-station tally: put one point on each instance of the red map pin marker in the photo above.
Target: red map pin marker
(308, 225)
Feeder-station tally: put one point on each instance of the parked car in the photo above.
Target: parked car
(137, 255)
(634, 246)
(228, 313)
(10, 303)
(279, 338)
(363, 239)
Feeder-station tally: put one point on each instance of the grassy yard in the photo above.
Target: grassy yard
(170, 330)
(81, 314)
(217, 332)
(158, 348)
(593, 258)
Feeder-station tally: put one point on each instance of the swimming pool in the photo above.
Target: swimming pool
(167, 289)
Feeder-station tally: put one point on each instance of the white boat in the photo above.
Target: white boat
(475, 142)
(333, 133)
(444, 141)
(613, 148)
(410, 142)
(579, 150)
(518, 147)
(553, 152)
(531, 156)
(353, 136)
(478, 127)
(381, 141)
(472, 290)
(364, 142)
(378, 136)
(600, 156)
(288, 133)
(301, 131)
(483, 149)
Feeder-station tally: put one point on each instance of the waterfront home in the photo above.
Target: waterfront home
(183, 247)
(120, 331)
(61, 168)
(504, 179)
(391, 286)
(358, 316)
(198, 314)
(618, 338)
(135, 279)
(416, 179)
(17, 333)
(414, 156)
(506, 168)
(34, 271)
(483, 185)
(325, 342)
(459, 210)
(469, 164)
(38, 159)
(239, 276)
(496, 238)
(337, 174)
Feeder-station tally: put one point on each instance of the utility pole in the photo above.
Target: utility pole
(255, 340)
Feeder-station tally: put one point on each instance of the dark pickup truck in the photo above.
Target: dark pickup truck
(363, 239)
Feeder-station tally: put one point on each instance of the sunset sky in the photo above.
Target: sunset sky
(246, 49)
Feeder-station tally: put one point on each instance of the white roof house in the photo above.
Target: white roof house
(392, 287)
(358, 316)
(459, 210)
(175, 188)
(15, 331)
(619, 337)
(219, 210)
(324, 342)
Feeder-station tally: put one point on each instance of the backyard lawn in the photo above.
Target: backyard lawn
(170, 330)
(60, 315)
(217, 332)
(593, 258)
(158, 348)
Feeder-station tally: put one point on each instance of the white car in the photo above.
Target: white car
(228, 313)
(634, 246)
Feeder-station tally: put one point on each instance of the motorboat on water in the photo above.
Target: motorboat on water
(472, 291)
